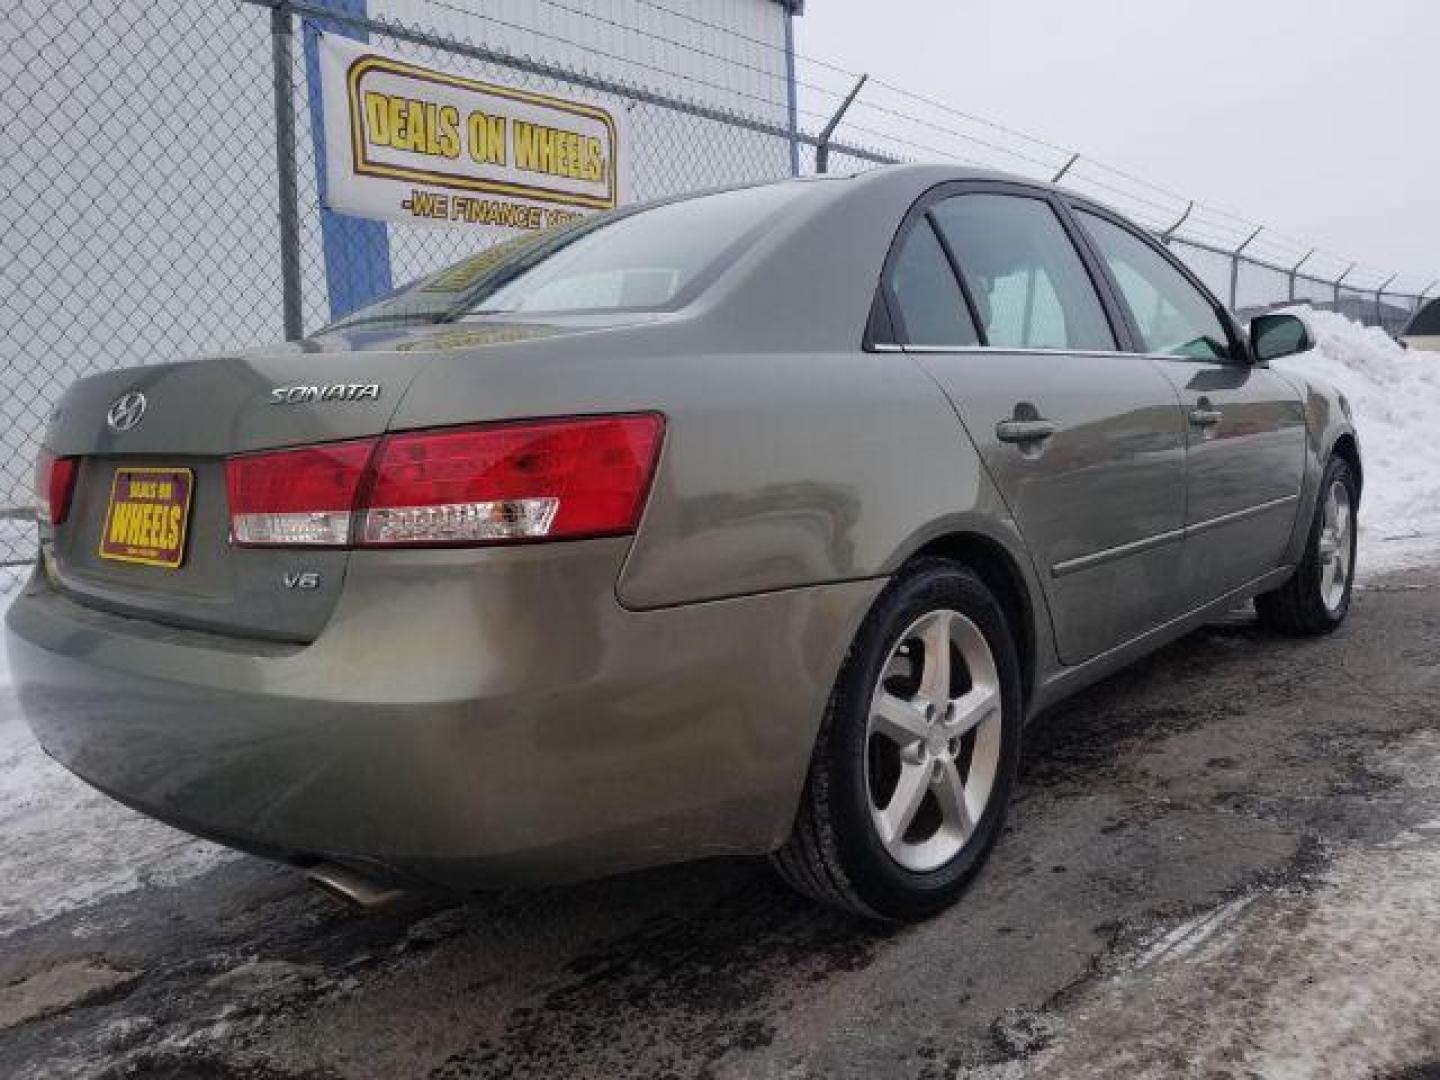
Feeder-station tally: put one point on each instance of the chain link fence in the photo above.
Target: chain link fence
(146, 217)
(128, 238)
(685, 132)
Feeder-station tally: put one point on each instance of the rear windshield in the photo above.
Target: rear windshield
(652, 258)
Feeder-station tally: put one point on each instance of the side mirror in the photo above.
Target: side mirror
(1274, 336)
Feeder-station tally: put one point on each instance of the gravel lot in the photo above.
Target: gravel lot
(1221, 863)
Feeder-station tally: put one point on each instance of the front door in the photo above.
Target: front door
(1245, 425)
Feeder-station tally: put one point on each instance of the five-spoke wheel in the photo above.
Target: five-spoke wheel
(1317, 596)
(917, 753)
(1337, 519)
(933, 746)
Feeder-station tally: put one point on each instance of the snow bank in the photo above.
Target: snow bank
(1395, 395)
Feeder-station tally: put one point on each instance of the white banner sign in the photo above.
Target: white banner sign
(409, 143)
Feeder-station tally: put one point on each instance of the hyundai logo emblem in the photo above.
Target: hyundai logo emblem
(126, 412)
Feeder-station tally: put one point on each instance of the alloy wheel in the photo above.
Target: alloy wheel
(933, 740)
(1336, 547)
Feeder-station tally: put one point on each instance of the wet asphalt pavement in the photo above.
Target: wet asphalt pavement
(1223, 862)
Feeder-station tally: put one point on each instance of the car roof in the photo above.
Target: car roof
(916, 178)
(912, 174)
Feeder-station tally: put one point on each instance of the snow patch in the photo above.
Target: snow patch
(1394, 394)
(63, 845)
(11, 578)
(1289, 984)
(56, 989)
(1190, 936)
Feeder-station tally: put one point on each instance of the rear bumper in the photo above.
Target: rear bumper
(467, 718)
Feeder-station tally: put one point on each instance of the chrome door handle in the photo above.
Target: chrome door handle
(1205, 417)
(1023, 431)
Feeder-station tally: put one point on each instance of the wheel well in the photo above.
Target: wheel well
(994, 566)
(1345, 448)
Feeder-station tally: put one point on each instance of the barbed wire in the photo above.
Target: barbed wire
(696, 20)
(871, 106)
(776, 76)
(584, 48)
(1222, 221)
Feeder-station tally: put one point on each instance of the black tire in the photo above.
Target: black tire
(835, 853)
(1299, 606)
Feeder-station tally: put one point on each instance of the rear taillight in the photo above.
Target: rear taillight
(550, 479)
(54, 484)
(535, 480)
(304, 496)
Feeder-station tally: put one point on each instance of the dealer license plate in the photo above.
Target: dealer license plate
(148, 515)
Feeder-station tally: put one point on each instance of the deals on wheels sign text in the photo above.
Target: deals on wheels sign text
(409, 143)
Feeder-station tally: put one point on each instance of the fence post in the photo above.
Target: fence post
(289, 194)
(1380, 315)
(1340, 281)
(1065, 169)
(792, 110)
(1295, 270)
(1235, 266)
(822, 144)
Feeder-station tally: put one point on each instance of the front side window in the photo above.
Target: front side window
(1174, 317)
(1030, 288)
(927, 294)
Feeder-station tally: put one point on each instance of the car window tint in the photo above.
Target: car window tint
(1027, 280)
(932, 307)
(1174, 317)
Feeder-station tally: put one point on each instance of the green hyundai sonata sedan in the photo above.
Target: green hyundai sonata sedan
(756, 521)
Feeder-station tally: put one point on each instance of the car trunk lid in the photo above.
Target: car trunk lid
(195, 415)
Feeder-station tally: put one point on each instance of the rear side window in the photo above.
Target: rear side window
(1030, 288)
(931, 306)
(1175, 318)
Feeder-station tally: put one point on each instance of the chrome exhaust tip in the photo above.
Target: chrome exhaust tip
(352, 889)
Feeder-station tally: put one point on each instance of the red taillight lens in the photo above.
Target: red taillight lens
(552, 479)
(544, 479)
(54, 484)
(301, 496)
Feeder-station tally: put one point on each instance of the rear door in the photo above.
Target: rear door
(1084, 441)
(1245, 425)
